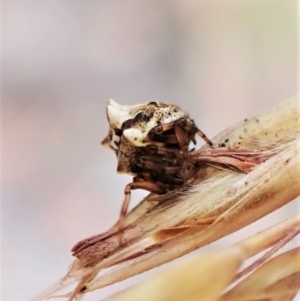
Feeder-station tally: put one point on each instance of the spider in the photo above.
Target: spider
(152, 143)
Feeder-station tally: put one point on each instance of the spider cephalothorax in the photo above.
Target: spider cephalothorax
(152, 143)
(133, 128)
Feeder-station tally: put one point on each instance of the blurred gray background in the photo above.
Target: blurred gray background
(222, 61)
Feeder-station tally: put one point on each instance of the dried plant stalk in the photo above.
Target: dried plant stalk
(219, 202)
(200, 278)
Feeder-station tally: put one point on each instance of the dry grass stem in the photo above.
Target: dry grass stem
(219, 202)
(201, 279)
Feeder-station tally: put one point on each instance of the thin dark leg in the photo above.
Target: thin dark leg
(152, 187)
(184, 125)
(182, 137)
(194, 129)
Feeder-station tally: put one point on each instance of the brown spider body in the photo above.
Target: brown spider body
(151, 142)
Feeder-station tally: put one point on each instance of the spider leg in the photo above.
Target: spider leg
(203, 136)
(166, 152)
(148, 162)
(193, 129)
(187, 133)
(242, 160)
(137, 184)
(159, 170)
(182, 136)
